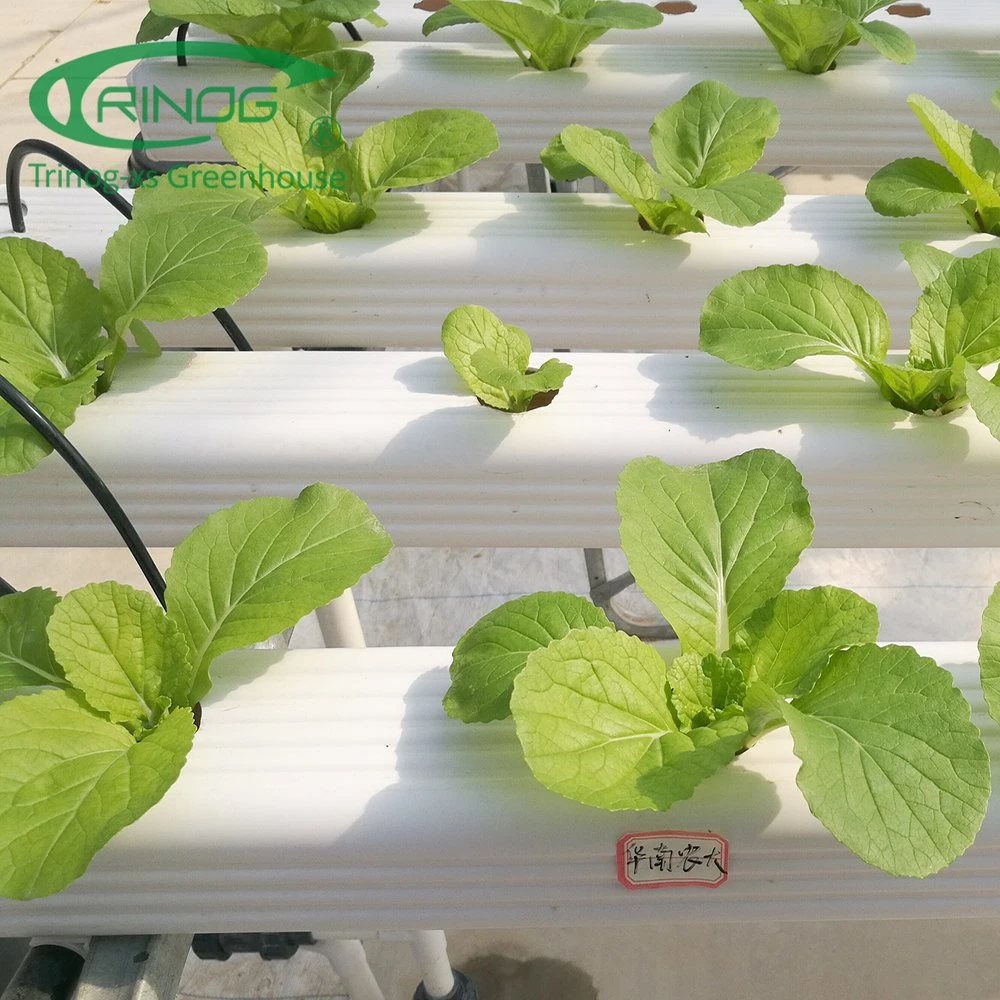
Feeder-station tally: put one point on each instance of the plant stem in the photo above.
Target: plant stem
(85, 473)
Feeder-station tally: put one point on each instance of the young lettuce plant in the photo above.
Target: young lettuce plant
(810, 34)
(770, 317)
(100, 686)
(969, 179)
(492, 360)
(298, 27)
(891, 763)
(546, 34)
(61, 336)
(703, 146)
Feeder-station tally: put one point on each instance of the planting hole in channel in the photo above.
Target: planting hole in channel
(908, 10)
(676, 7)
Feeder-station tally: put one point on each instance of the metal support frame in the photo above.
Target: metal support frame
(603, 591)
(47, 972)
(133, 967)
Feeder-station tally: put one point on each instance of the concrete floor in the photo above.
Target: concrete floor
(432, 596)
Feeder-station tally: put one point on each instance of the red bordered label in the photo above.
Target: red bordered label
(672, 858)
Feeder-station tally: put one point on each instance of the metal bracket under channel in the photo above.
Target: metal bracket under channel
(603, 591)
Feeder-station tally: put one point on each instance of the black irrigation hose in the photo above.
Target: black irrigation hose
(353, 32)
(182, 33)
(86, 474)
(107, 191)
(6, 588)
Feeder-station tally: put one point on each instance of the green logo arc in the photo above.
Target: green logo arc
(80, 73)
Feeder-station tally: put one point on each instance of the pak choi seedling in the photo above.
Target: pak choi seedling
(99, 686)
(809, 35)
(546, 34)
(299, 27)
(770, 317)
(969, 178)
(891, 763)
(61, 336)
(324, 183)
(492, 360)
(703, 146)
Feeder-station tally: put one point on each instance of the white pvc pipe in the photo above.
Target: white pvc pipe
(348, 959)
(430, 948)
(339, 623)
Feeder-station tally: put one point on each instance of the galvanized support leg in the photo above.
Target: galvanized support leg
(349, 961)
(47, 972)
(133, 968)
(603, 590)
(538, 177)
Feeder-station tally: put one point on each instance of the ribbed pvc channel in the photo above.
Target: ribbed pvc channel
(178, 437)
(327, 790)
(855, 116)
(951, 24)
(572, 270)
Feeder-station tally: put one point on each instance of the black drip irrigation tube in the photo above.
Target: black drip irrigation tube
(352, 31)
(182, 33)
(92, 178)
(84, 471)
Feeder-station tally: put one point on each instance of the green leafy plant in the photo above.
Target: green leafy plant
(492, 360)
(325, 183)
(703, 147)
(61, 336)
(969, 178)
(99, 686)
(298, 27)
(891, 763)
(546, 34)
(809, 35)
(770, 317)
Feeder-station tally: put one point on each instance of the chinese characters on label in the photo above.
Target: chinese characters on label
(672, 858)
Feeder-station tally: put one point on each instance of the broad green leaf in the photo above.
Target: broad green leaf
(787, 642)
(728, 683)
(888, 40)
(282, 147)
(121, 652)
(691, 758)
(913, 186)
(493, 652)
(771, 316)
(995, 99)
(469, 329)
(710, 135)
(173, 266)
(926, 262)
(50, 311)
(301, 36)
(989, 640)
(322, 98)
(623, 170)
(973, 159)
(70, 782)
(667, 217)
(21, 448)
(254, 569)
(690, 690)
(623, 16)
(764, 709)
(154, 26)
(933, 392)
(959, 314)
(807, 38)
(709, 544)
(445, 18)
(182, 189)
(25, 657)
(562, 166)
(591, 712)
(892, 765)
(737, 201)
(520, 388)
(984, 398)
(419, 148)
